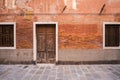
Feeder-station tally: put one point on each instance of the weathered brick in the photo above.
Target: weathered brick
(79, 36)
(81, 30)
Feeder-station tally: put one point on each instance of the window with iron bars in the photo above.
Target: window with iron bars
(111, 34)
(6, 36)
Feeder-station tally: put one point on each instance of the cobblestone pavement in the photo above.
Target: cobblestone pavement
(60, 72)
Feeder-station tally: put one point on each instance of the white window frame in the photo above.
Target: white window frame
(14, 25)
(35, 39)
(104, 47)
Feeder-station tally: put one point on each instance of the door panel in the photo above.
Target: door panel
(41, 42)
(46, 43)
(50, 42)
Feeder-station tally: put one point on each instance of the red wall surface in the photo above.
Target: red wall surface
(79, 28)
(79, 36)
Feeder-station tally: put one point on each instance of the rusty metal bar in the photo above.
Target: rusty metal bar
(64, 9)
(102, 9)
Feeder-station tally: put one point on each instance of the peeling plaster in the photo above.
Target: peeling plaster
(112, 1)
(22, 4)
(74, 4)
(65, 2)
(10, 4)
(53, 9)
(6, 3)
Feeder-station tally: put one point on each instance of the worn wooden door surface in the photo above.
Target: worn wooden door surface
(46, 43)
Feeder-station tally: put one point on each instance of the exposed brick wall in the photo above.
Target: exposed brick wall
(24, 33)
(83, 31)
(83, 36)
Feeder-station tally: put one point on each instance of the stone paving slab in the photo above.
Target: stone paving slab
(60, 72)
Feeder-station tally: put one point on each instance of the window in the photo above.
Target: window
(111, 35)
(7, 36)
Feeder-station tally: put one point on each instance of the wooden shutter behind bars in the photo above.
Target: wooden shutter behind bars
(111, 35)
(6, 36)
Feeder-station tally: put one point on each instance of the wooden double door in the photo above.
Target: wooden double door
(46, 43)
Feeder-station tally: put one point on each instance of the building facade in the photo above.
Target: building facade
(59, 31)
